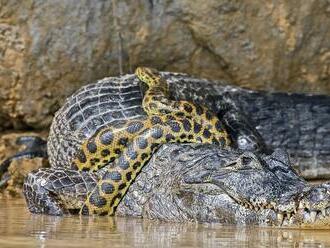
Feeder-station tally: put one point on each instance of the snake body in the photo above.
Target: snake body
(124, 147)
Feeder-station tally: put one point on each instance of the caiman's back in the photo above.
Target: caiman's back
(296, 122)
(106, 102)
(93, 106)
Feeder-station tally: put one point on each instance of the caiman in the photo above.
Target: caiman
(106, 132)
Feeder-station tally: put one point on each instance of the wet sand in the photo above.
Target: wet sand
(19, 228)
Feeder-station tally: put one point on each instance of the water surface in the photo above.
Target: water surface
(19, 228)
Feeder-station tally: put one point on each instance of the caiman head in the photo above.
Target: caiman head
(197, 182)
(229, 187)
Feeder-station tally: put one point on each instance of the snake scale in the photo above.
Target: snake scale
(125, 147)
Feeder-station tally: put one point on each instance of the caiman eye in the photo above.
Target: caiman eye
(249, 161)
(246, 161)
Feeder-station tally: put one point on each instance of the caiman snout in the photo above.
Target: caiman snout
(316, 201)
(261, 183)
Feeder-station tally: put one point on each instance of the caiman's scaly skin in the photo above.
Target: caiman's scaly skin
(212, 185)
(130, 144)
(183, 182)
(296, 122)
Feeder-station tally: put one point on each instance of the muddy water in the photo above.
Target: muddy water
(18, 228)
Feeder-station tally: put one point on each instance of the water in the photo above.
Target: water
(19, 228)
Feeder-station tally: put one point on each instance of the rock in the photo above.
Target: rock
(50, 48)
(8, 145)
(12, 181)
(18, 170)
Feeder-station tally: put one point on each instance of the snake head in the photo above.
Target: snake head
(148, 75)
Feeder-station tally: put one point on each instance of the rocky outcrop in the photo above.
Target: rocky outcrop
(11, 182)
(50, 48)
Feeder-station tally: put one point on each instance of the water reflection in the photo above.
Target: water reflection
(18, 228)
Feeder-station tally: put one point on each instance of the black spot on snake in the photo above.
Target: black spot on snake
(106, 137)
(107, 188)
(134, 127)
(91, 146)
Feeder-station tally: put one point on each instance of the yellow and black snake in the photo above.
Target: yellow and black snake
(126, 147)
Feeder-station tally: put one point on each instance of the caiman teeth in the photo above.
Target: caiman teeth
(323, 211)
(313, 215)
(270, 206)
(288, 214)
(274, 206)
(280, 218)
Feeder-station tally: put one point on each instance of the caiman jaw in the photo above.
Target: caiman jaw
(305, 208)
(316, 201)
(283, 210)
